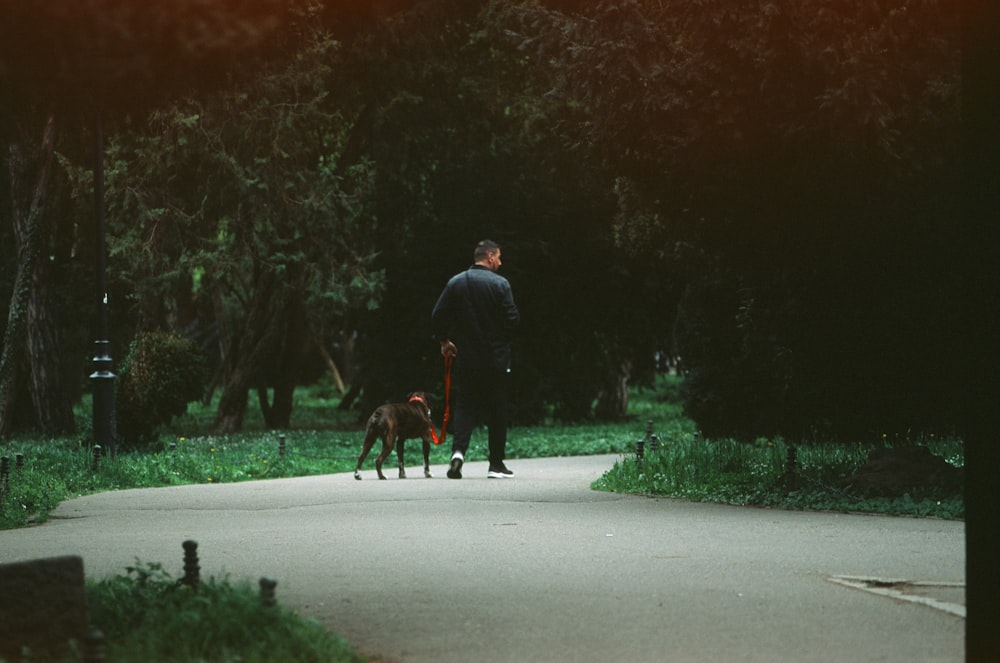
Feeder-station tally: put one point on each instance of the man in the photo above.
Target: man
(473, 320)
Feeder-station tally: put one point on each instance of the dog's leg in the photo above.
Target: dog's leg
(370, 436)
(427, 458)
(399, 456)
(387, 444)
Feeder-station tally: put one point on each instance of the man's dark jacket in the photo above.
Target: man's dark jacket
(476, 311)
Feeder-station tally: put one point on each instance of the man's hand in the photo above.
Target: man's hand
(448, 349)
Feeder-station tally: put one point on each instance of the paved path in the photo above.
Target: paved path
(539, 568)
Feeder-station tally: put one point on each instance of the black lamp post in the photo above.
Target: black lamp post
(102, 379)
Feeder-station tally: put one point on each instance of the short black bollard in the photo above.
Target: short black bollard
(790, 470)
(96, 463)
(19, 463)
(172, 447)
(651, 440)
(694, 438)
(267, 599)
(281, 445)
(191, 576)
(93, 646)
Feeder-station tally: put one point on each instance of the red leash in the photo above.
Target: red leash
(447, 403)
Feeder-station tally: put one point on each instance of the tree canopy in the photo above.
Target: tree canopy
(796, 163)
(760, 187)
(65, 68)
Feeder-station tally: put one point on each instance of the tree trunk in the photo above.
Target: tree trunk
(245, 364)
(233, 403)
(31, 323)
(49, 391)
(277, 413)
(284, 373)
(612, 401)
(331, 364)
(269, 331)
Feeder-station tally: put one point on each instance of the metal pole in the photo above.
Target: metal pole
(102, 379)
(191, 568)
(790, 470)
(267, 598)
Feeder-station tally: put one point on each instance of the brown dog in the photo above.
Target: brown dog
(395, 423)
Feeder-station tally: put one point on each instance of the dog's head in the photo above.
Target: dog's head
(420, 398)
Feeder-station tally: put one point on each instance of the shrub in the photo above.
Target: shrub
(147, 616)
(161, 374)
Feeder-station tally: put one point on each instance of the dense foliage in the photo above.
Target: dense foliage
(796, 164)
(762, 188)
(236, 219)
(67, 70)
(147, 615)
(159, 376)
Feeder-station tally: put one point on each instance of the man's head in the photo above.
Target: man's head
(487, 254)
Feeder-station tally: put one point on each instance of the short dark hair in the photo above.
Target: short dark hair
(484, 248)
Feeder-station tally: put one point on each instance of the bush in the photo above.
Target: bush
(784, 354)
(161, 374)
(147, 616)
(754, 473)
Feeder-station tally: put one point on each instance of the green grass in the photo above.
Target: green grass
(326, 440)
(58, 469)
(146, 615)
(746, 474)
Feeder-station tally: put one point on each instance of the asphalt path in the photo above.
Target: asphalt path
(542, 568)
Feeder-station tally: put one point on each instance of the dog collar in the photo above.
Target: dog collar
(427, 409)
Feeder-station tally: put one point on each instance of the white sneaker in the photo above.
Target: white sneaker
(499, 471)
(455, 469)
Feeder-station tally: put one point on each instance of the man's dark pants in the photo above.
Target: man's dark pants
(480, 397)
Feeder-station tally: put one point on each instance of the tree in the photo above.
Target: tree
(61, 64)
(30, 177)
(240, 201)
(459, 132)
(801, 158)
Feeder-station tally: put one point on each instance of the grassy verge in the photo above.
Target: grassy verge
(146, 615)
(58, 469)
(328, 441)
(755, 475)
(324, 441)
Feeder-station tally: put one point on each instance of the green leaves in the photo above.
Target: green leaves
(743, 473)
(159, 376)
(146, 616)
